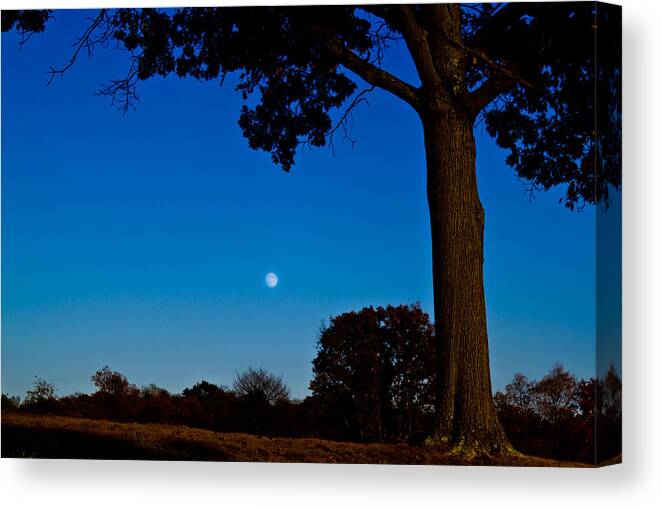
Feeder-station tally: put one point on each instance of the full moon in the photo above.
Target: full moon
(271, 280)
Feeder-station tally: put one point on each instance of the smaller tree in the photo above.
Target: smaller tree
(42, 392)
(111, 382)
(552, 417)
(261, 384)
(153, 391)
(204, 391)
(208, 405)
(154, 404)
(374, 373)
(557, 395)
(520, 393)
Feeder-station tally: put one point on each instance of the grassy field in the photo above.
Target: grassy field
(45, 436)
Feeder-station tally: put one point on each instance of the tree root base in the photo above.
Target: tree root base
(474, 449)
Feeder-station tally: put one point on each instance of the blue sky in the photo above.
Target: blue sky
(142, 242)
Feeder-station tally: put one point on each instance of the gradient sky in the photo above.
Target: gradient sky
(142, 242)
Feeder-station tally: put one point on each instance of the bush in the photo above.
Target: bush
(10, 402)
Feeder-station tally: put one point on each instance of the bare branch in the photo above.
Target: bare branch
(122, 92)
(348, 114)
(343, 123)
(85, 41)
(381, 36)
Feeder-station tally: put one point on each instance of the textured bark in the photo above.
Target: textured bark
(466, 417)
(465, 413)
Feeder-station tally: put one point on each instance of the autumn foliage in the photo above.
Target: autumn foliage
(563, 417)
(373, 382)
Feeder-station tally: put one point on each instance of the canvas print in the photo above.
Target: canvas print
(382, 234)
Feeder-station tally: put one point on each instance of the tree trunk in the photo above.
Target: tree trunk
(466, 416)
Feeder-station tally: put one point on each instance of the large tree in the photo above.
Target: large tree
(529, 71)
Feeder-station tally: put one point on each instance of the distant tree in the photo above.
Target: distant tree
(204, 390)
(111, 382)
(556, 395)
(609, 415)
(553, 417)
(610, 401)
(261, 383)
(42, 392)
(153, 391)
(154, 404)
(10, 402)
(520, 393)
(374, 371)
(526, 70)
(208, 405)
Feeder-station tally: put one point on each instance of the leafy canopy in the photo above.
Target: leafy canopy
(530, 73)
(375, 368)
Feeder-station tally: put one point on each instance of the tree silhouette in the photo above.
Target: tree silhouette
(42, 392)
(529, 71)
(261, 384)
(111, 383)
(375, 370)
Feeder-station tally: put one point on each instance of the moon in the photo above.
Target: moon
(271, 280)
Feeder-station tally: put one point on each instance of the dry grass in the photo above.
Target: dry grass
(48, 436)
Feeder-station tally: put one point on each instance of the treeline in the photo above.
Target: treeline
(562, 417)
(373, 382)
(259, 403)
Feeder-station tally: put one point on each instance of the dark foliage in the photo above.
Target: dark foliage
(557, 416)
(531, 69)
(41, 398)
(374, 374)
(10, 402)
(552, 136)
(111, 383)
(528, 71)
(25, 22)
(608, 409)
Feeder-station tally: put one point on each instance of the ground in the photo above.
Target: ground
(46, 436)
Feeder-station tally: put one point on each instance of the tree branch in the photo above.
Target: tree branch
(381, 11)
(416, 40)
(488, 91)
(497, 67)
(503, 79)
(478, 55)
(84, 41)
(122, 92)
(366, 70)
(341, 123)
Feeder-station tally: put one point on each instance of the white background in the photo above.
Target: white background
(636, 482)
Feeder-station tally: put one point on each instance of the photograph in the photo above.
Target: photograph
(338, 234)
